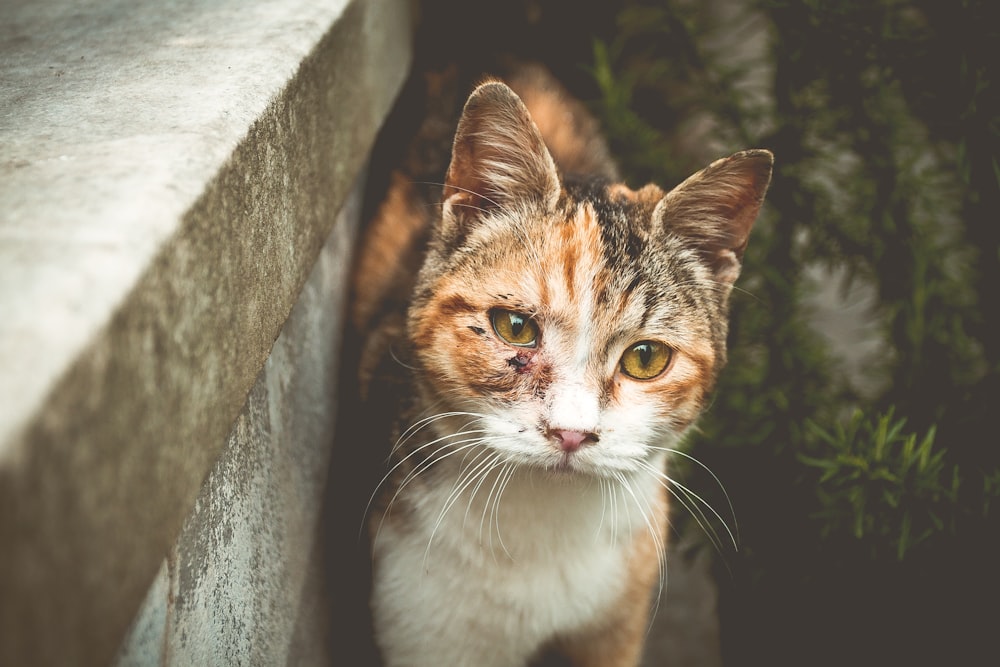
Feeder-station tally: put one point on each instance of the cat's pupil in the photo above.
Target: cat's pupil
(645, 353)
(516, 325)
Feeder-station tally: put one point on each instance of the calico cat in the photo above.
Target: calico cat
(535, 347)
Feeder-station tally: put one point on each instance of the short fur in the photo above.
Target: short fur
(524, 507)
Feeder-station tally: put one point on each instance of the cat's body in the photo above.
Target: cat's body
(562, 333)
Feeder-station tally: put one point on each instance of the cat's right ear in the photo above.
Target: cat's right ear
(715, 209)
(498, 156)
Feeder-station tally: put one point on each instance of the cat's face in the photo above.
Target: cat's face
(576, 356)
(573, 327)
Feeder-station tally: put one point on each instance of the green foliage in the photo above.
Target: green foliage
(882, 486)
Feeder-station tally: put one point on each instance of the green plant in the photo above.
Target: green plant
(886, 488)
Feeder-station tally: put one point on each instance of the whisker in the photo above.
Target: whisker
(720, 286)
(412, 453)
(613, 489)
(506, 474)
(644, 510)
(450, 440)
(487, 505)
(642, 504)
(395, 357)
(426, 421)
(693, 503)
(471, 192)
(472, 206)
(491, 464)
(729, 502)
(462, 482)
(454, 447)
(687, 502)
(603, 484)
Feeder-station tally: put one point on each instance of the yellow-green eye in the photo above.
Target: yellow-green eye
(645, 360)
(516, 329)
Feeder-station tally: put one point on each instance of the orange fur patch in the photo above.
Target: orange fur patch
(570, 132)
(648, 195)
(387, 241)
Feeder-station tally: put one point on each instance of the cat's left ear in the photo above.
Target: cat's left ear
(498, 156)
(716, 208)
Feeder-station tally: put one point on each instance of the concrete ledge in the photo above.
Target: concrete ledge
(168, 175)
(247, 580)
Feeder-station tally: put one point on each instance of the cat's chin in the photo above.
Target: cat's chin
(557, 475)
(570, 467)
(566, 465)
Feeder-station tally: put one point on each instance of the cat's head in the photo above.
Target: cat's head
(577, 325)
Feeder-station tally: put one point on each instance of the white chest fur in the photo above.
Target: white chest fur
(466, 579)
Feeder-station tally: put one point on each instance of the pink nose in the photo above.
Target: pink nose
(570, 441)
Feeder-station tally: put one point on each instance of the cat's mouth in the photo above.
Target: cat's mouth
(566, 464)
(570, 464)
(583, 464)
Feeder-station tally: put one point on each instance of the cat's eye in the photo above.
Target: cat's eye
(515, 328)
(645, 360)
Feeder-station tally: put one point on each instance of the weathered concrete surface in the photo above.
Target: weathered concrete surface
(244, 584)
(168, 175)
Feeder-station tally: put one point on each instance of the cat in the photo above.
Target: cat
(537, 341)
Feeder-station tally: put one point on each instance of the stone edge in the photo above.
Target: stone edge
(114, 462)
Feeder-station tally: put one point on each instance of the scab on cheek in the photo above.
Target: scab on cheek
(522, 361)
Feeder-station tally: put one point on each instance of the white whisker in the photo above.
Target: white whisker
(732, 510)
(693, 503)
(645, 510)
(453, 186)
(445, 442)
(462, 482)
(491, 463)
(504, 477)
(392, 353)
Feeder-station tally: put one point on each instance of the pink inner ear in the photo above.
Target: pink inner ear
(727, 267)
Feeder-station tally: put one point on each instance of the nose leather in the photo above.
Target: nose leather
(570, 441)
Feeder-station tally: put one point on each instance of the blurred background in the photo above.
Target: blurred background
(852, 444)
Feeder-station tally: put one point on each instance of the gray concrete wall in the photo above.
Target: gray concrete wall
(169, 173)
(245, 583)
